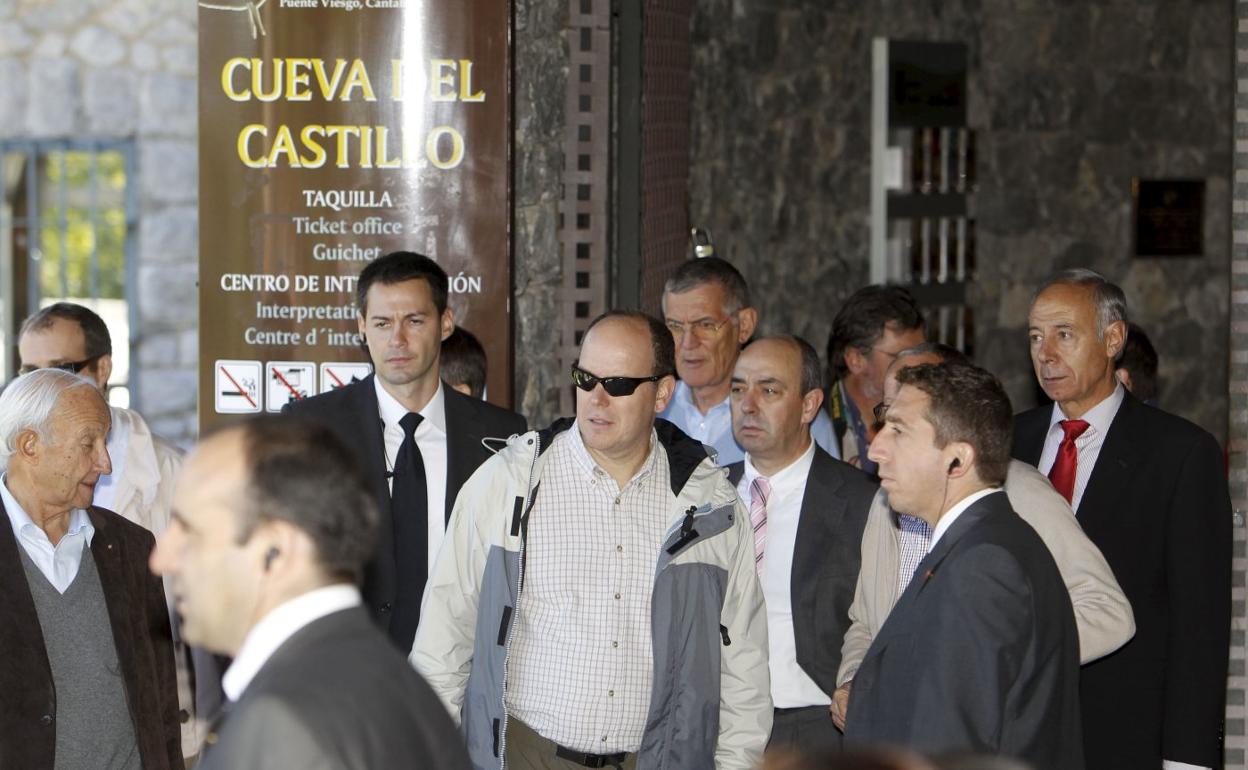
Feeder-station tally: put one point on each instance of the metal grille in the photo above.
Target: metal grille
(665, 145)
(583, 226)
(67, 226)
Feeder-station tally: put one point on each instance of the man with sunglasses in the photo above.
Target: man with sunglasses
(706, 306)
(594, 603)
(145, 466)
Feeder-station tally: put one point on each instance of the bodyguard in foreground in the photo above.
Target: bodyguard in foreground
(271, 527)
(980, 653)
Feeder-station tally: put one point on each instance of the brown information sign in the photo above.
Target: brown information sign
(332, 132)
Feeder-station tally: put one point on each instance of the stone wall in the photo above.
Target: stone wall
(1071, 101)
(125, 69)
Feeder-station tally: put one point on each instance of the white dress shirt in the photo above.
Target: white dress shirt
(1088, 445)
(281, 623)
(791, 686)
(118, 440)
(59, 563)
(715, 427)
(431, 440)
(957, 510)
(582, 660)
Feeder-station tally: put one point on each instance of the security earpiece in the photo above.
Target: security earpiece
(269, 556)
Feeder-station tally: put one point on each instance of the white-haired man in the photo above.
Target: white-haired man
(88, 679)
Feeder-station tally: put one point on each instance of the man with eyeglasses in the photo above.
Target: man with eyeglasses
(594, 603)
(871, 328)
(145, 466)
(706, 306)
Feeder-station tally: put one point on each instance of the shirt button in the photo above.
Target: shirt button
(610, 693)
(604, 739)
(615, 644)
(385, 607)
(619, 548)
(617, 596)
(617, 501)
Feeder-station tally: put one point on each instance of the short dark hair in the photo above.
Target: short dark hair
(811, 370)
(661, 344)
(300, 472)
(947, 354)
(1139, 358)
(968, 404)
(463, 361)
(94, 330)
(862, 319)
(698, 272)
(400, 266)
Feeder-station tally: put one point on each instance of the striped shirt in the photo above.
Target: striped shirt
(581, 660)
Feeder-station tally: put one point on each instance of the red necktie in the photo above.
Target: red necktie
(1063, 472)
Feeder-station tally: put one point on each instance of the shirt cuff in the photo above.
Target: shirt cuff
(1167, 764)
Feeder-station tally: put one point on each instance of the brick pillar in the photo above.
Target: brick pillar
(1238, 429)
(664, 145)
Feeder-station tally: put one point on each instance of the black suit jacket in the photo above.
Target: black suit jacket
(826, 558)
(980, 653)
(352, 413)
(1157, 506)
(336, 695)
(140, 621)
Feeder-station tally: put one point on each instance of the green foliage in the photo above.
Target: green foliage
(68, 235)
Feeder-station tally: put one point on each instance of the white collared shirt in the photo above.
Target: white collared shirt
(791, 686)
(1087, 446)
(431, 440)
(118, 442)
(715, 427)
(957, 510)
(281, 623)
(59, 563)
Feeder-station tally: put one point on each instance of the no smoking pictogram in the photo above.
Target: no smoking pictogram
(236, 386)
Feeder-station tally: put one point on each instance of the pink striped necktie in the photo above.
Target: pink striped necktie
(760, 490)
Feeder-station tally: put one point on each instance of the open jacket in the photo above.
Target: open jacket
(710, 703)
(140, 623)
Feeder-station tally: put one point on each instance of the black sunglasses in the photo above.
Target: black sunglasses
(73, 367)
(615, 386)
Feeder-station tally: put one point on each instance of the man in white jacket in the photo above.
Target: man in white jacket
(145, 466)
(595, 600)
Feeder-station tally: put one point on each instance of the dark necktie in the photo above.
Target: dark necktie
(408, 504)
(1064, 467)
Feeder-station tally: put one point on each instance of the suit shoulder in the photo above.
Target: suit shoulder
(1177, 431)
(123, 528)
(327, 403)
(856, 481)
(495, 419)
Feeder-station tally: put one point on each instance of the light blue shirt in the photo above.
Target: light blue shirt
(58, 563)
(715, 427)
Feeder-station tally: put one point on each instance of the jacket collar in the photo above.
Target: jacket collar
(683, 453)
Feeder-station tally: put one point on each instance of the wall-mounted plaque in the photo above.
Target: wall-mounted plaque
(1169, 217)
(333, 132)
(926, 83)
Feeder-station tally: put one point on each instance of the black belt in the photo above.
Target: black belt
(591, 760)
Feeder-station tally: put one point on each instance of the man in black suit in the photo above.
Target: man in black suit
(808, 512)
(419, 440)
(1149, 490)
(272, 523)
(981, 652)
